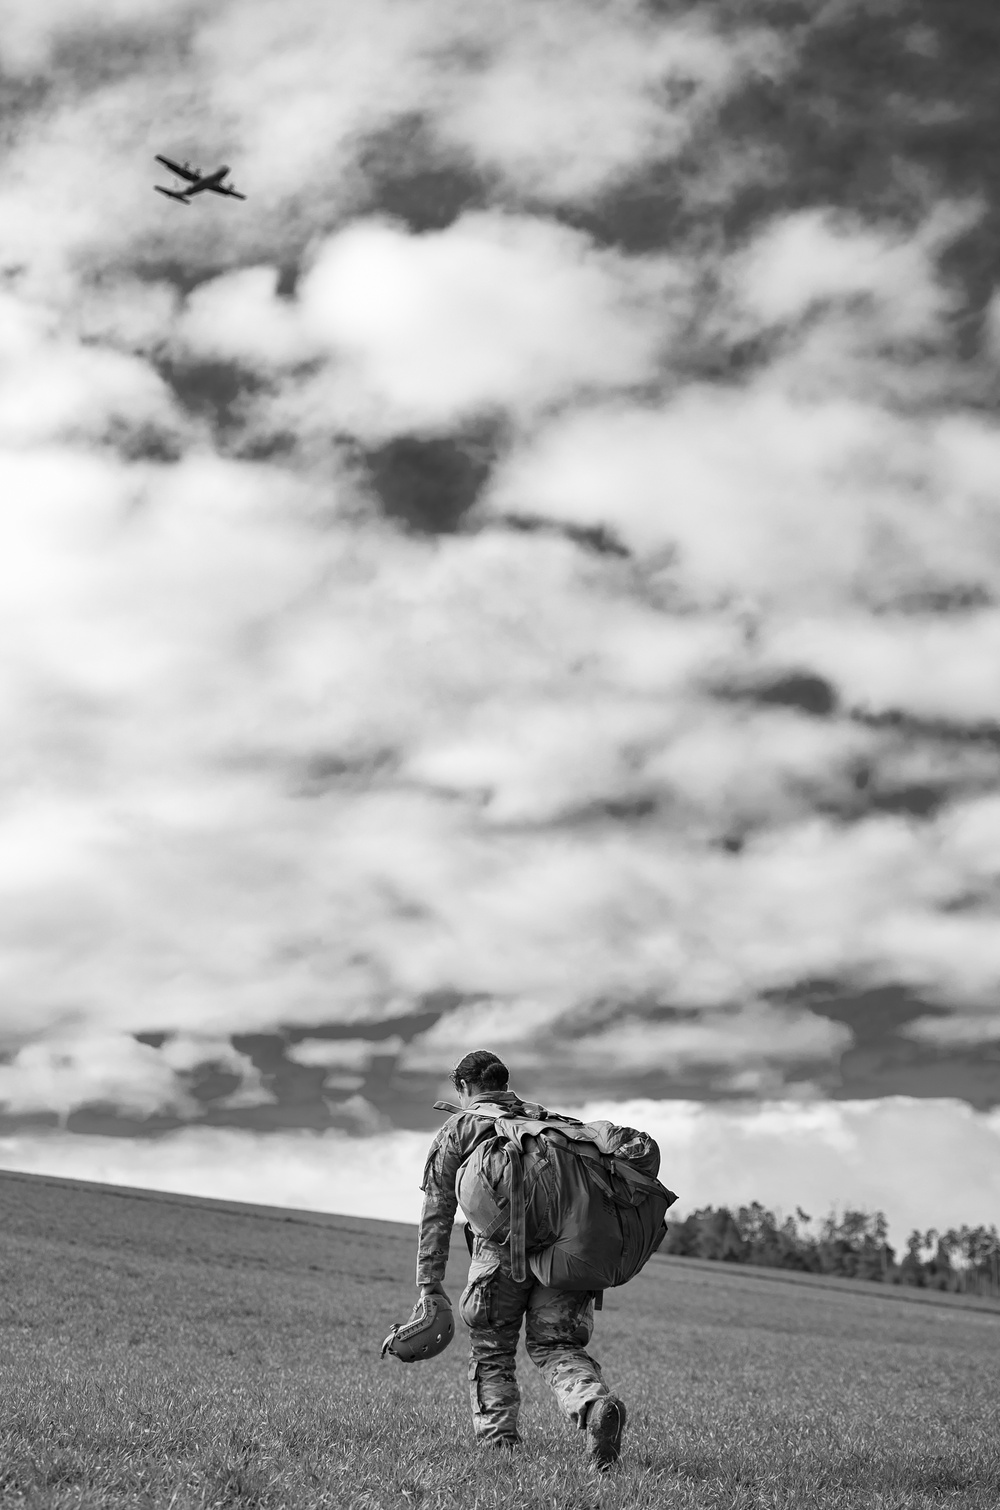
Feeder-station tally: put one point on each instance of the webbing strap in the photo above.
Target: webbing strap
(518, 1230)
(500, 1220)
(621, 1166)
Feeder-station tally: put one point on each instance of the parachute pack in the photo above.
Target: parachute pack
(578, 1202)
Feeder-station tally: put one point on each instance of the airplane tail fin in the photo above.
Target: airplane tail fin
(172, 194)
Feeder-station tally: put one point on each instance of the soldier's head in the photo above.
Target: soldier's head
(478, 1073)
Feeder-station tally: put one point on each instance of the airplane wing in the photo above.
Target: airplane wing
(179, 169)
(224, 189)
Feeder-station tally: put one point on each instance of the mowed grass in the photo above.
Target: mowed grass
(158, 1352)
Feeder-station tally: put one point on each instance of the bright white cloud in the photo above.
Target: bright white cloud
(528, 1033)
(567, 99)
(64, 1073)
(342, 1053)
(926, 952)
(970, 836)
(375, 1176)
(69, 1070)
(495, 311)
(240, 318)
(72, 392)
(752, 491)
(793, 503)
(811, 258)
(506, 1026)
(956, 1030)
(758, 1032)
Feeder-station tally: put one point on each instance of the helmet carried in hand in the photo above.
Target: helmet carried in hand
(427, 1332)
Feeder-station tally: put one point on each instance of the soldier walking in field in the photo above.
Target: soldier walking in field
(558, 1323)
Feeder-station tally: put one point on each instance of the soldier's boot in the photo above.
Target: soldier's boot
(605, 1424)
(501, 1447)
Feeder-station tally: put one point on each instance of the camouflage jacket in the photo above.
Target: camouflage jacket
(449, 1151)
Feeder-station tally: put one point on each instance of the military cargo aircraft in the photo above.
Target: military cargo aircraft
(197, 182)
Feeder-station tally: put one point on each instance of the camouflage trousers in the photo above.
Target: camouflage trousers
(557, 1326)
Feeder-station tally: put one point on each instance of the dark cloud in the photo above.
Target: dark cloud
(105, 51)
(948, 733)
(430, 483)
(20, 99)
(882, 1061)
(144, 442)
(802, 690)
(211, 390)
(597, 538)
(880, 111)
(327, 771)
(409, 176)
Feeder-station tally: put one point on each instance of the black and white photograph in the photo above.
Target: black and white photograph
(500, 772)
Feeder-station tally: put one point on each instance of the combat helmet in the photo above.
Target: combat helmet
(427, 1332)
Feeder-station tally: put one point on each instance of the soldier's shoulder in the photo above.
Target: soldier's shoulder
(458, 1128)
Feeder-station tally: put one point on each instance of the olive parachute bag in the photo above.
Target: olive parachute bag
(578, 1202)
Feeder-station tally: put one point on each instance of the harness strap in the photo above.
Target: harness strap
(498, 1222)
(518, 1227)
(621, 1166)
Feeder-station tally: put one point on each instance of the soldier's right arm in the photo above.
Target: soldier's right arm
(440, 1204)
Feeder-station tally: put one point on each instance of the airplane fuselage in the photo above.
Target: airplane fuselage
(209, 181)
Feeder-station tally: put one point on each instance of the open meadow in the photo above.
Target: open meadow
(163, 1351)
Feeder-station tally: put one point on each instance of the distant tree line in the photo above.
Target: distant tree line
(856, 1246)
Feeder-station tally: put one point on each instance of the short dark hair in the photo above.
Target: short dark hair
(483, 1069)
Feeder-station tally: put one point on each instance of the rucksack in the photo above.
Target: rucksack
(578, 1202)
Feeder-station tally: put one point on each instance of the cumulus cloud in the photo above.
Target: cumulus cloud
(562, 102)
(54, 388)
(31, 32)
(762, 494)
(69, 1070)
(497, 312)
(342, 1053)
(346, 1061)
(958, 1029)
(377, 1176)
(757, 1032)
(526, 1033)
(66, 1073)
(239, 317)
(812, 258)
(276, 761)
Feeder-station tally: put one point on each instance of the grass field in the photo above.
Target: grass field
(175, 1353)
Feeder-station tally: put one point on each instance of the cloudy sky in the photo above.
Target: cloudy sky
(528, 577)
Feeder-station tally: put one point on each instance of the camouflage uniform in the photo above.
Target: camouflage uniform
(558, 1323)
